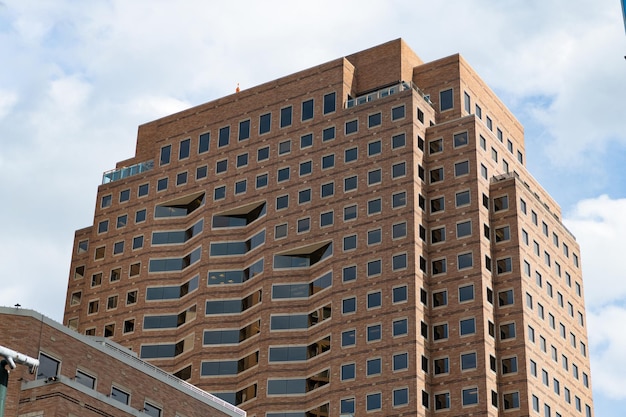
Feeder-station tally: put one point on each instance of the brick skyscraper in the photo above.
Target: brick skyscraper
(359, 237)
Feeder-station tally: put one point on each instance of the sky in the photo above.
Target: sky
(78, 77)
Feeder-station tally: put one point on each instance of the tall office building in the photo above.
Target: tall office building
(361, 237)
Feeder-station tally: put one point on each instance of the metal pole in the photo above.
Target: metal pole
(4, 383)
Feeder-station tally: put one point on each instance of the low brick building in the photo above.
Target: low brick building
(91, 376)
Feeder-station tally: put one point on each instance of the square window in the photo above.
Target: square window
(440, 331)
(397, 113)
(350, 212)
(162, 184)
(400, 362)
(348, 371)
(504, 265)
(143, 190)
(436, 175)
(398, 199)
(283, 174)
(244, 130)
(469, 396)
(285, 116)
(261, 181)
(438, 235)
(502, 234)
(373, 402)
(398, 170)
(280, 231)
(348, 305)
(219, 193)
(398, 230)
(326, 219)
(282, 202)
(439, 266)
(351, 154)
(374, 120)
(399, 261)
(202, 172)
(221, 166)
(437, 204)
(374, 206)
(374, 236)
(374, 148)
(265, 122)
(505, 298)
(442, 401)
(461, 168)
(462, 198)
(460, 139)
(349, 242)
(348, 338)
(124, 195)
(224, 136)
(400, 327)
(328, 189)
(435, 146)
(138, 242)
(510, 400)
(467, 326)
(374, 177)
(307, 110)
(304, 196)
(350, 183)
(440, 298)
(347, 406)
(242, 160)
(466, 293)
(351, 127)
(400, 294)
(328, 134)
(374, 268)
(464, 229)
(284, 147)
(400, 397)
(103, 226)
(509, 365)
(118, 247)
(263, 153)
(181, 178)
(240, 187)
(468, 361)
(374, 299)
(374, 333)
(373, 366)
(306, 141)
(465, 260)
(328, 161)
(507, 331)
(441, 366)
(348, 273)
(398, 141)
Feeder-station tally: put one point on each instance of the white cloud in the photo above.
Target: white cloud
(7, 101)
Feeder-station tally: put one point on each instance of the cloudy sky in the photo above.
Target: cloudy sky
(78, 77)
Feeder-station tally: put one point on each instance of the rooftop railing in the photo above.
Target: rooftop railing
(125, 172)
(386, 92)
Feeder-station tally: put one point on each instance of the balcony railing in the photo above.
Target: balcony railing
(385, 92)
(125, 172)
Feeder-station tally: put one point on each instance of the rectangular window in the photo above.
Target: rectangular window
(374, 148)
(183, 151)
(244, 130)
(263, 154)
(285, 116)
(328, 134)
(166, 152)
(467, 102)
(374, 120)
(307, 110)
(265, 123)
(397, 113)
(306, 141)
(224, 136)
(446, 101)
(330, 103)
(203, 142)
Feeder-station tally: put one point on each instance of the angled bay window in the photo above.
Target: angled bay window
(303, 257)
(231, 336)
(180, 207)
(175, 264)
(172, 237)
(235, 276)
(298, 385)
(299, 353)
(299, 321)
(171, 321)
(237, 248)
(172, 292)
(302, 290)
(229, 367)
(240, 216)
(219, 307)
